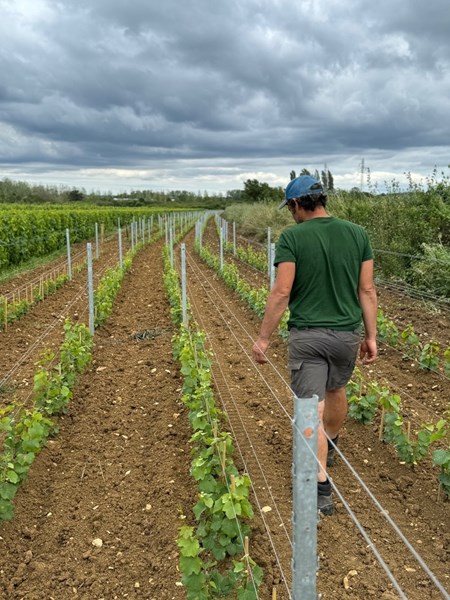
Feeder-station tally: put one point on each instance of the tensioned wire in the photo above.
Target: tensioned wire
(417, 402)
(371, 544)
(234, 402)
(78, 295)
(360, 527)
(25, 401)
(60, 264)
(237, 258)
(391, 252)
(217, 363)
(241, 536)
(404, 392)
(355, 474)
(406, 290)
(397, 286)
(38, 278)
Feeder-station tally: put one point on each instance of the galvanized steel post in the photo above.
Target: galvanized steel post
(90, 289)
(96, 240)
(183, 284)
(69, 257)
(272, 266)
(171, 246)
(304, 517)
(120, 247)
(221, 248)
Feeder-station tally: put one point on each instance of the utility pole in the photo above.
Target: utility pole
(361, 185)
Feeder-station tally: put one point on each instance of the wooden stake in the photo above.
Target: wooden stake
(102, 232)
(380, 435)
(233, 484)
(274, 593)
(408, 430)
(6, 314)
(439, 491)
(246, 547)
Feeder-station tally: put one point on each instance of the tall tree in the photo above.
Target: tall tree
(304, 172)
(292, 175)
(330, 181)
(316, 175)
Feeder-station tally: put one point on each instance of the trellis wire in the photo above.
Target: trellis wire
(382, 563)
(244, 462)
(384, 513)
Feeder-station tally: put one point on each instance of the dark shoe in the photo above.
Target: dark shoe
(325, 504)
(331, 451)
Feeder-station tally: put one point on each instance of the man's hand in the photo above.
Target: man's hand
(259, 351)
(368, 351)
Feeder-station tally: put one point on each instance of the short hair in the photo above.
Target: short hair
(312, 201)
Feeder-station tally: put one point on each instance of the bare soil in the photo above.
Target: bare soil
(119, 469)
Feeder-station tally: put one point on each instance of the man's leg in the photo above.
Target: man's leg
(322, 444)
(325, 503)
(336, 407)
(335, 411)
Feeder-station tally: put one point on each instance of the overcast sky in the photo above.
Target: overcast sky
(204, 94)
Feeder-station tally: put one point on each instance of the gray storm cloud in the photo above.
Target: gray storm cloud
(97, 84)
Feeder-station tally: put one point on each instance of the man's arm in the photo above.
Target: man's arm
(277, 303)
(368, 300)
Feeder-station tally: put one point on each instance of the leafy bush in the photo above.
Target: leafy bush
(432, 273)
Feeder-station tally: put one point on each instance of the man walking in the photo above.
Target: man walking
(325, 276)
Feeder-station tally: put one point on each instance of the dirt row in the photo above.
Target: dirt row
(409, 495)
(117, 475)
(41, 328)
(119, 470)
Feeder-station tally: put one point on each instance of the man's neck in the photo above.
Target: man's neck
(320, 212)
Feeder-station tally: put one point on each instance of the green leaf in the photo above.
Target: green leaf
(194, 584)
(441, 457)
(6, 510)
(12, 477)
(230, 528)
(189, 547)
(190, 565)
(7, 490)
(231, 509)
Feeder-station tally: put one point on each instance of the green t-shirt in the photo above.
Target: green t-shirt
(328, 253)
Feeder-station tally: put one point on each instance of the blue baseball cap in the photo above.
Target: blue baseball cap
(305, 185)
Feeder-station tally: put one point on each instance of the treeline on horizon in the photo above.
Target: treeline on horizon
(21, 192)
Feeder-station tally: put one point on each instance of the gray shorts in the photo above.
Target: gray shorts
(321, 360)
